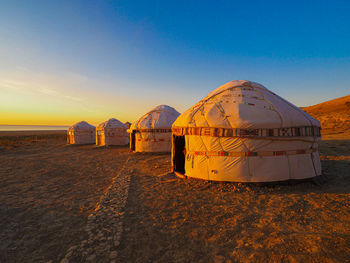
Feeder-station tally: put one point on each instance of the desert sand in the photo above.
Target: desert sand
(61, 202)
(334, 116)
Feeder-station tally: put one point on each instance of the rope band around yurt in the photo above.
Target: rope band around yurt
(154, 130)
(153, 140)
(305, 131)
(110, 129)
(81, 132)
(248, 154)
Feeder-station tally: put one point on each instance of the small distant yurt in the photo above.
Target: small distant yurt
(81, 133)
(152, 132)
(112, 132)
(128, 124)
(243, 132)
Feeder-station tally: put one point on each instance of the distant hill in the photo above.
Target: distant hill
(334, 115)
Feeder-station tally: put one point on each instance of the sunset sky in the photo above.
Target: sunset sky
(67, 61)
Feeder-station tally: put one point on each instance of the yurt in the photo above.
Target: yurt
(81, 133)
(112, 132)
(242, 132)
(152, 132)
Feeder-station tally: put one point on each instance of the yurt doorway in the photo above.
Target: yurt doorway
(98, 142)
(132, 141)
(71, 138)
(179, 154)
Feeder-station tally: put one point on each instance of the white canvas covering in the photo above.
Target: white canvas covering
(242, 132)
(112, 132)
(81, 133)
(152, 132)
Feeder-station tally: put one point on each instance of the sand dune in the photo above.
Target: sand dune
(334, 116)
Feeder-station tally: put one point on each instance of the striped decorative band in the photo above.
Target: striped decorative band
(81, 132)
(306, 131)
(153, 140)
(245, 154)
(153, 130)
(110, 129)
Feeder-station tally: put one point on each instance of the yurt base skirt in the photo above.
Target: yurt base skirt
(153, 146)
(253, 168)
(83, 139)
(109, 140)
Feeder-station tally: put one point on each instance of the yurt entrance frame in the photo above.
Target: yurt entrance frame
(179, 152)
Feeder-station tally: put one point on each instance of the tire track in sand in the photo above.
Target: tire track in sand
(105, 225)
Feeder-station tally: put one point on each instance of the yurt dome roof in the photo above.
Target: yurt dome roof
(83, 125)
(112, 123)
(161, 117)
(246, 105)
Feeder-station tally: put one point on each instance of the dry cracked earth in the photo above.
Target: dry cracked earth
(62, 203)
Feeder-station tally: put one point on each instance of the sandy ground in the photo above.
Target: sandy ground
(48, 189)
(176, 220)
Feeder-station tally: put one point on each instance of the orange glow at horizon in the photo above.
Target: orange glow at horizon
(39, 100)
(28, 98)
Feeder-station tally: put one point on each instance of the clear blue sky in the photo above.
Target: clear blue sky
(62, 61)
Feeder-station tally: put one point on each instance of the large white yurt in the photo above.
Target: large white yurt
(242, 132)
(81, 133)
(112, 132)
(152, 132)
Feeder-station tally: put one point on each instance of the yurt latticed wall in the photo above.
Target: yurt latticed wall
(112, 132)
(242, 132)
(152, 132)
(81, 133)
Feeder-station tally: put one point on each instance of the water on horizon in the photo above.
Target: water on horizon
(32, 128)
